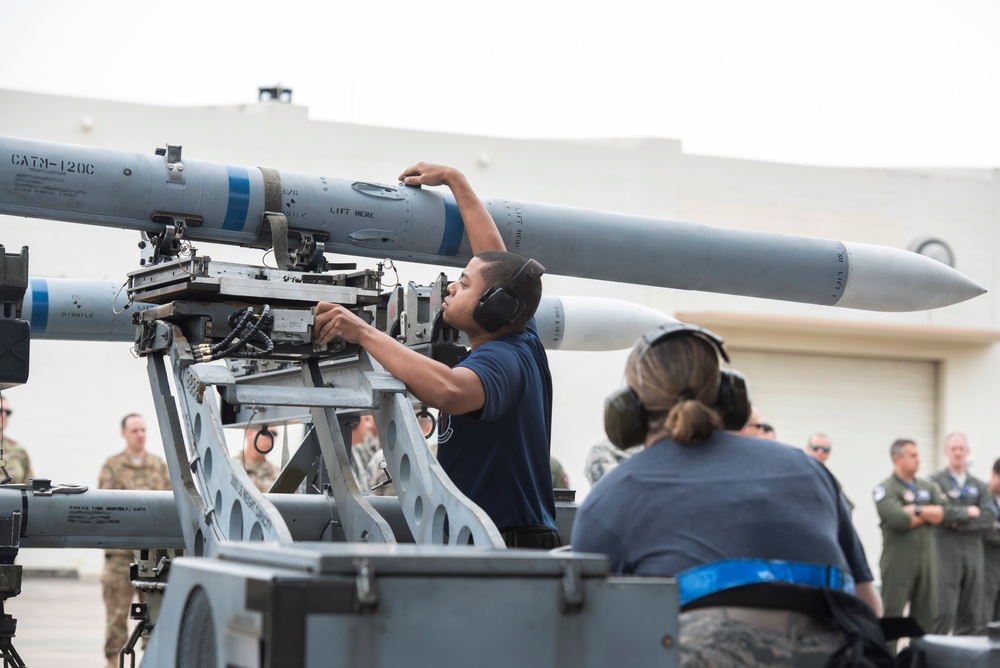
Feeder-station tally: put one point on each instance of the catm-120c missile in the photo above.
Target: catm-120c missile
(227, 204)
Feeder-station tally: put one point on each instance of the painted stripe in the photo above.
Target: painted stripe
(239, 198)
(39, 304)
(454, 228)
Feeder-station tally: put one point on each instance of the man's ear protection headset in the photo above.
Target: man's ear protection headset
(625, 418)
(501, 304)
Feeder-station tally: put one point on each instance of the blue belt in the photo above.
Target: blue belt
(715, 577)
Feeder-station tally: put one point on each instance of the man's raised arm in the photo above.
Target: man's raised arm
(479, 225)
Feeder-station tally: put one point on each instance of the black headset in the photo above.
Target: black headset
(625, 418)
(501, 304)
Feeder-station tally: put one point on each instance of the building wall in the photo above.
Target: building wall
(68, 413)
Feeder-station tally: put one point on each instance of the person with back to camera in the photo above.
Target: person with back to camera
(495, 405)
(763, 581)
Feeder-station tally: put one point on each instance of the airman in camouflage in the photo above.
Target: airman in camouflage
(559, 478)
(364, 445)
(132, 469)
(604, 457)
(18, 464)
(261, 472)
(378, 475)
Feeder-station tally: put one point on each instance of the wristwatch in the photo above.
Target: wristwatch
(917, 511)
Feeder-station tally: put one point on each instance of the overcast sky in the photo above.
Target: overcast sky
(847, 83)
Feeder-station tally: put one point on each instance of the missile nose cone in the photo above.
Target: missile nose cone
(891, 279)
(593, 323)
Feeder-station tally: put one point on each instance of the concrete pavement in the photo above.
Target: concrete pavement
(60, 622)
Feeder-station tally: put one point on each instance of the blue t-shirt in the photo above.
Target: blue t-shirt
(672, 506)
(499, 456)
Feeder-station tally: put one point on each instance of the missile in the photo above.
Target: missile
(70, 309)
(138, 519)
(74, 309)
(67, 516)
(593, 323)
(226, 204)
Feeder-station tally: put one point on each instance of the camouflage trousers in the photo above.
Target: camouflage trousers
(118, 593)
(709, 639)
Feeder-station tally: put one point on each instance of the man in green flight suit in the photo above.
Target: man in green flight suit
(991, 553)
(961, 571)
(909, 509)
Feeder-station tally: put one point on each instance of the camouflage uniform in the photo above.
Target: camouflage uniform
(362, 455)
(603, 457)
(559, 478)
(119, 472)
(991, 557)
(18, 463)
(262, 474)
(960, 555)
(377, 475)
(708, 639)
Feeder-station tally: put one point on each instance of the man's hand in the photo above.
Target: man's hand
(427, 174)
(333, 320)
(479, 226)
(973, 512)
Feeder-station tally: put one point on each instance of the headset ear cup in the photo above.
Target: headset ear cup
(624, 418)
(495, 309)
(734, 399)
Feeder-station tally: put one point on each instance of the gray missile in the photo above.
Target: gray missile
(594, 323)
(226, 204)
(74, 309)
(70, 309)
(138, 519)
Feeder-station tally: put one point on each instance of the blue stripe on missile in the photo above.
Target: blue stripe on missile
(454, 228)
(239, 198)
(39, 305)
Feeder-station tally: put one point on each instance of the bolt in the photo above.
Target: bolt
(668, 641)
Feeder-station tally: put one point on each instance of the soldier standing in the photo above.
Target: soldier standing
(991, 552)
(960, 543)
(261, 472)
(134, 468)
(818, 446)
(909, 508)
(364, 445)
(18, 464)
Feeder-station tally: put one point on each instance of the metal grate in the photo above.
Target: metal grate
(196, 640)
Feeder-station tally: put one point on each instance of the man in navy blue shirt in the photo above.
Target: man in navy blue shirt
(496, 403)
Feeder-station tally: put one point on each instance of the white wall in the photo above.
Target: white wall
(68, 413)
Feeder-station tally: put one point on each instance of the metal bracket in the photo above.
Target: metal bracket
(572, 588)
(365, 580)
(44, 487)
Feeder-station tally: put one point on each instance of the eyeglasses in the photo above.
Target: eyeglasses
(819, 448)
(763, 426)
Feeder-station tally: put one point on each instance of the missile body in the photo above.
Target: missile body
(225, 204)
(593, 323)
(78, 310)
(74, 309)
(138, 519)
